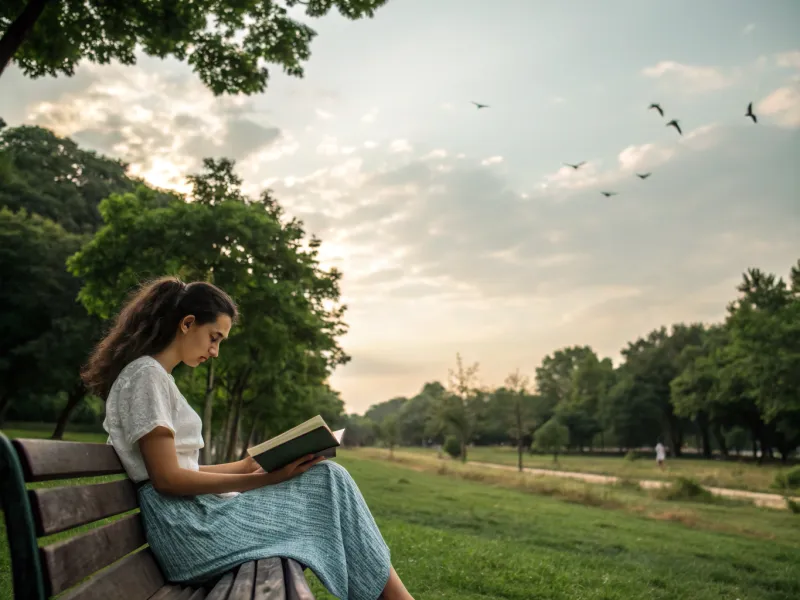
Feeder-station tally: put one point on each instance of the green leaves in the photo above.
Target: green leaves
(228, 43)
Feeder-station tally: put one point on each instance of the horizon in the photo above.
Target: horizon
(458, 229)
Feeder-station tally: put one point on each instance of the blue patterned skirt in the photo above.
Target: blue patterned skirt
(319, 519)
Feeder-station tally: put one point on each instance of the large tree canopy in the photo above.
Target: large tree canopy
(228, 43)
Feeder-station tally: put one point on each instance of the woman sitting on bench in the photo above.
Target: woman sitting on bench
(202, 521)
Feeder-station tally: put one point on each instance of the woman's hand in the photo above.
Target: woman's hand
(293, 469)
(249, 465)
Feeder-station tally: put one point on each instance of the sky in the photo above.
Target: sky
(459, 229)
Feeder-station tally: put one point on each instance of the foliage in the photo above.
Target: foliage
(551, 437)
(685, 488)
(228, 43)
(787, 480)
(452, 446)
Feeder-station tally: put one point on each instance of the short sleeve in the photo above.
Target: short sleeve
(145, 404)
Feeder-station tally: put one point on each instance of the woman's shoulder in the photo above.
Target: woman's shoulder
(144, 367)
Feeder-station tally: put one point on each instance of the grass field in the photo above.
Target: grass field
(727, 474)
(459, 533)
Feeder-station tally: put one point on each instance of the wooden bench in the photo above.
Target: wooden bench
(110, 561)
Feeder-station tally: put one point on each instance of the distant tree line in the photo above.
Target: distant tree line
(730, 387)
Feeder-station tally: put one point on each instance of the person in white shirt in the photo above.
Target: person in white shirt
(203, 520)
(660, 454)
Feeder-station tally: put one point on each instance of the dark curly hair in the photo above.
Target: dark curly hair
(148, 323)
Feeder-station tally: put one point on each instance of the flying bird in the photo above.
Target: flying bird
(750, 114)
(657, 107)
(576, 167)
(674, 123)
(480, 106)
(609, 194)
(643, 175)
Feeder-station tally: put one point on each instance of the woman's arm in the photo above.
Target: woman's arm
(246, 465)
(167, 477)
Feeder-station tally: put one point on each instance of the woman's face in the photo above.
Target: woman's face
(198, 343)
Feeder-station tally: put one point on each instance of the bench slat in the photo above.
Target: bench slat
(243, 583)
(68, 562)
(135, 577)
(269, 580)
(43, 460)
(199, 594)
(220, 591)
(168, 592)
(295, 581)
(58, 509)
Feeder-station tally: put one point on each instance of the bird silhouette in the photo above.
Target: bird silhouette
(576, 167)
(750, 114)
(480, 106)
(609, 194)
(674, 123)
(657, 107)
(643, 175)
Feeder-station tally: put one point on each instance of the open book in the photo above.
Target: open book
(312, 437)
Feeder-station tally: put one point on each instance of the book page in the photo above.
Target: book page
(312, 423)
(338, 434)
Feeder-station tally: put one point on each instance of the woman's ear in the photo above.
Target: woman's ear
(187, 323)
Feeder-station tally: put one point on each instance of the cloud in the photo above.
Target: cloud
(370, 144)
(492, 160)
(641, 157)
(783, 105)
(691, 78)
(748, 29)
(370, 116)
(324, 115)
(400, 146)
(162, 124)
(446, 106)
(788, 59)
(438, 153)
(557, 100)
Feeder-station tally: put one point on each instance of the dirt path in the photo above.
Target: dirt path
(758, 498)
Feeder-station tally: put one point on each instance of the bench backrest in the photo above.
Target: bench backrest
(39, 573)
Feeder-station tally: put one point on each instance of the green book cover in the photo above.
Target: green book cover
(319, 441)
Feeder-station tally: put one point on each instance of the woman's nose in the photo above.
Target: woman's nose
(213, 352)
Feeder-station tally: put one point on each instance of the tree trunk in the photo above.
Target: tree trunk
(250, 440)
(702, 425)
(463, 450)
(675, 436)
(19, 30)
(208, 405)
(77, 394)
(225, 436)
(720, 437)
(234, 427)
(5, 404)
(519, 435)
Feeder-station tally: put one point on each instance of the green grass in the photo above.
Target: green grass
(728, 474)
(466, 534)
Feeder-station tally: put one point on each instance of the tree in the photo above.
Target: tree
(47, 335)
(390, 433)
(551, 437)
(228, 43)
(455, 410)
(285, 346)
(555, 378)
(516, 386)
(53, 177)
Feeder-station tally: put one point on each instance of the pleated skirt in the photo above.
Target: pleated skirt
(320, 519)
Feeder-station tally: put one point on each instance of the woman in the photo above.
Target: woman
(201, 521)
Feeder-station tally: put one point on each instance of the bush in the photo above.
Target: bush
(631, 456)
(792, 506)
(551, 437)
(684, 488)
(452, 446)
(785, 480)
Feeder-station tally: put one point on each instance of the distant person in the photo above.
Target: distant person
(661, 455)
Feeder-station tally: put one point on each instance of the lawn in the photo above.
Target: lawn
(719, 473)
(455, 534)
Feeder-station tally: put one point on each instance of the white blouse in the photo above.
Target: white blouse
(143, 397)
